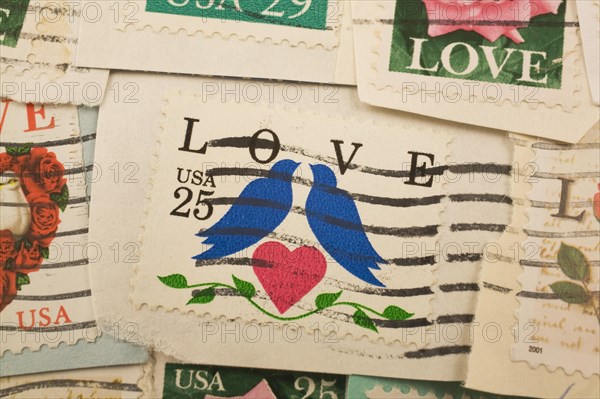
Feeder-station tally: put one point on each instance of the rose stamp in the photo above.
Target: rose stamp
(26, 234)
(45, 297)
(493, 41)
(12, 17)
(459, 60)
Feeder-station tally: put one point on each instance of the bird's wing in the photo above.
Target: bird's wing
(246, 211)
(335, 221)
(260, 208)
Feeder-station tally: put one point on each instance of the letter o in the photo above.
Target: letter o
(473, 58)
(274, 150)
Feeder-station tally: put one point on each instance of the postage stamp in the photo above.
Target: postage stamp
(177, 380)
(310, 22)
(38, 42)
(99, 383)
(516, 59)
(12, 16)
(45, 293)
(363, 387)
(268, 219)
(465, 40)
(302, 14)
(560, 284)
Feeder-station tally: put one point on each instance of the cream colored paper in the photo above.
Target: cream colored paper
(305, 138)
(564, 114)
(56, 305)
(236, 48)
(104, 382)
(498, 303)
(588, 12)
(39, 69)
(234, 343)
(567, 334)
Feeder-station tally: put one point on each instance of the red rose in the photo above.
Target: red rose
(8, 287)
(6, 162)
(44, 169)
(7, 247)
(44, 220)
(597, 204)
(29, 257)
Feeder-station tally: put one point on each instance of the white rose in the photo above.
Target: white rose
(14, 209)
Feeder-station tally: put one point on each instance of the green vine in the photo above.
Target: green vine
(323, 301)
(574, 264)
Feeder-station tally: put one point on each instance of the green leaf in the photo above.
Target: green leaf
(395, 313)
(573, 262)
(245, 288)
(361, 319)
(45, 252)
(20, 150)
(61, 199)
(174, 281)
(326, 300)
(22, 279)
(204, 296)
(570, 292)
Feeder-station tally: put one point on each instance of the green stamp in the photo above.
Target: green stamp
(200, 382)
(359, 387)
(12, 16)
(504, 41)
(311, 14)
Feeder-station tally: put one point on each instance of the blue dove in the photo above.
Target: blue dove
(260, 208)
(334, 219)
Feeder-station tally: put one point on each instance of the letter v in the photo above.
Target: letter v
(491, 60)
(340, 158)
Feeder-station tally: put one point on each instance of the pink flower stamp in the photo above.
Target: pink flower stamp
(515, 42)
(489, 18)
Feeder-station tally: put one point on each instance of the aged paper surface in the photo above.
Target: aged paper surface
(103, 383)
(38, 51)
(46, 297)
(589, 15)
(560, 282)
(501, 295)
(537, 96)
(315, 46)
(107, 350)
(447, 337)
(261, 236)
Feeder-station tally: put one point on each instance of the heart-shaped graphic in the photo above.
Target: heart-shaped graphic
(33, 191)
(287, 276)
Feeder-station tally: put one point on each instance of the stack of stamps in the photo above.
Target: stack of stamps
(309, 199)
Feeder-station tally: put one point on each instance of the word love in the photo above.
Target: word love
(35, 115)
(42, 317)
(266, 139)
(462, 59)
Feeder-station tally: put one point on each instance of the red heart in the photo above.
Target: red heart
(287, 276)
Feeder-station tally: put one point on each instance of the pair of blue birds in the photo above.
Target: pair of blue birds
(264, 204)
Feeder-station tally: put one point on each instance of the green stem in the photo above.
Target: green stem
(591, 300)
(363, 307)
(282, 318)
